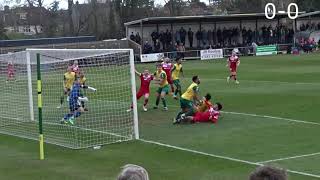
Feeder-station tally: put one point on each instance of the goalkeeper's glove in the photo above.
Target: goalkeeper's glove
(93, 89)
(89, 87)
(83, 99)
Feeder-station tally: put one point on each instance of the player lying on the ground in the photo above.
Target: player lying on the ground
(68, 80)
(163, 90)
(175, 71)
(10, 72)
(233, 63)
(167, 66)
(205, 104)
(145, 79)
(190, 99)
(211, 115)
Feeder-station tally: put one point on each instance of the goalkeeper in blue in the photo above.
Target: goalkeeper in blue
(75, 101)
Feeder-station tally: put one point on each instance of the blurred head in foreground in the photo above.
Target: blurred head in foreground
(268, 173)
(133, 172)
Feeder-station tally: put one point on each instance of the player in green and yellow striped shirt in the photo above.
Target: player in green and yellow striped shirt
(189, 99)
(163, 90)
(175, 73)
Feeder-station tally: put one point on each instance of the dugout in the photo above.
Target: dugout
(308, 26)
(307, 18)
(254, 21)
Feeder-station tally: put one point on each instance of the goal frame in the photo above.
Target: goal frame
(132, 80)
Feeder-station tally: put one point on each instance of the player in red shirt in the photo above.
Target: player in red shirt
(145, 79)
(10, 72)
(211, 115)
(233, 63)
(167, 66)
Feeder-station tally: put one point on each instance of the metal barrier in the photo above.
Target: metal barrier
(243, 51)
(137, 50)
(123, 44)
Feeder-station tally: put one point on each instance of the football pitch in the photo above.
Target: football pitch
(269, 118)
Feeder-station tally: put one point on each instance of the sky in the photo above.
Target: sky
(64, 3)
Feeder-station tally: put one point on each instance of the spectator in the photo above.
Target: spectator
(183, 34)
(133, 172)
(172, 48)
(162, 38)
(244, 35)
(268, 173)
(157, 47)
(254, 48)
(214, 37)
(154, 37)
(190, 37)
(198, 37)
(147, 48)
(138, 38)
(210, 37)
(224, 35)
(181, 49)
(132, 37)
(204, 37)
(249, 36)
(219, 36)
(177, 36)
(168, 39)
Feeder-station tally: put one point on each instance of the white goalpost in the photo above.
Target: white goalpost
(85, 117)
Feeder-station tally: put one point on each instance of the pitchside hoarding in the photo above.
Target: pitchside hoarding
(211, 54)
(266, 50)
(154, 57)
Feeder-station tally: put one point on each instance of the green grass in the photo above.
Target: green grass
(279, 86)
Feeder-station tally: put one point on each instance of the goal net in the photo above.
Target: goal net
(85, 95)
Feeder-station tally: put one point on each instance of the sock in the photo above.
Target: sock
(179, 90)
(235, 77)
(176, 92)
(172, 88)
(164, 102)
(179, 114)
(67, 116)
(61, 99)
(77, 114)
(157, 101)
(145, 102)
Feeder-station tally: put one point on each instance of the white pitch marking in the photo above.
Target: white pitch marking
(284, 82)
(222, 157)
(292, 157)
(281, 12)
(272, 117)
(264, 116)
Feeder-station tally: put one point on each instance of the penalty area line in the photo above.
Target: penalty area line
(222, 157)
(263, 116)
(273, 117)
(291, 157)
(262, 81)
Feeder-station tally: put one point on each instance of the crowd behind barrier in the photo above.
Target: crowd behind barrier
(214, 38)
